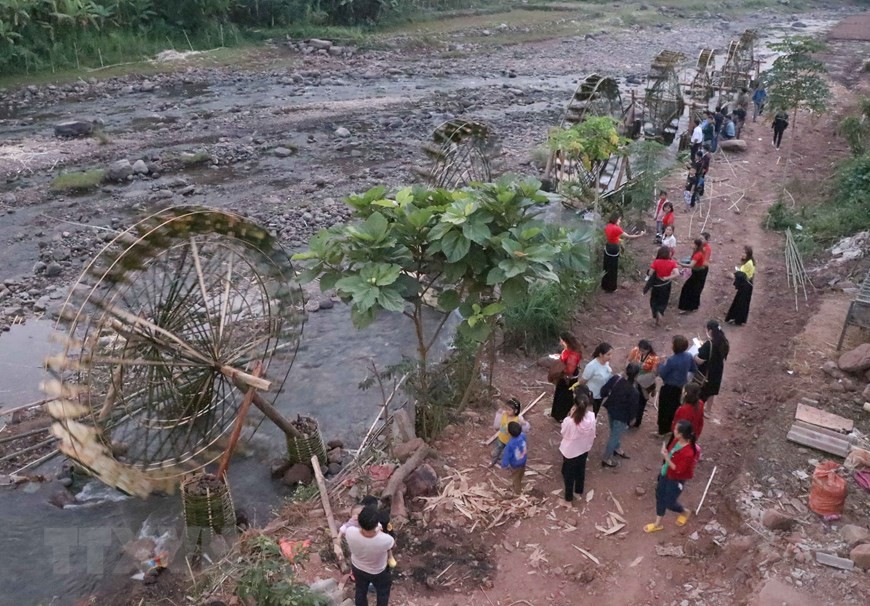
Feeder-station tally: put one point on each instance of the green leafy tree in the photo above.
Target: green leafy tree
(474, 250)
(856, 129)
(796, 80)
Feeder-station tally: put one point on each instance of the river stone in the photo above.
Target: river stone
(61, 497)
(403, 451)
(855, 360)
(323, 586)
(733, 145)
(73, 129)
(333, 468)
(140, 168)
(119, 171)
(854, 535)
(298, 474)
(334, 455)
(41, 303)
(279, 467)
(325, 304)
(319, 44)
(53, 269)
(282, 152)
(861, 556)
(38, 267)
(342, 132)
(335, 444)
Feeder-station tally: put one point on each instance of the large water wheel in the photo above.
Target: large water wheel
(172, 322)
(741, 67)
(663, 99)
(701, 86)
(595, 96)
(461, 152)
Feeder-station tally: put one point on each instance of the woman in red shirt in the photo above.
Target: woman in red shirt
(661, 272)
(680, 458)
(692, 409)
(690, 295)
(613, 234)
(669, 217)
(563, 398)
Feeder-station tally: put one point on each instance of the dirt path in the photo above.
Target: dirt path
(537, 559)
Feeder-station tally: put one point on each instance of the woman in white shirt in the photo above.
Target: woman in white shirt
(597, 373)
(578, 434)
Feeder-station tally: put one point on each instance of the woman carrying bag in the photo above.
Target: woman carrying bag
(645, 356)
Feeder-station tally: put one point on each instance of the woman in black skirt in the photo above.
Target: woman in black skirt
(563, 397)
(661, 272)
(711, 364)
(690, 295)
(738, 313)
(613, 234)
(675, 374)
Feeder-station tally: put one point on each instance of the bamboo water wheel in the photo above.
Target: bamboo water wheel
(461, 152)
(595, 96)
(168, 326)
(663, 99)
(741, 67)
(701, 86)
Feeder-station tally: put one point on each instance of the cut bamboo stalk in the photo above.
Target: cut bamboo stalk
(704, 496)
(10, 411)
(237, 428)
(327, 509)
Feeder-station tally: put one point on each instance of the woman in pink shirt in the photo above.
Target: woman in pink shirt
(578, 433)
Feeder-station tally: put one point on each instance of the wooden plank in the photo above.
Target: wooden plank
(811, 414)
(809, 427)
(327, 509)
(817, 443)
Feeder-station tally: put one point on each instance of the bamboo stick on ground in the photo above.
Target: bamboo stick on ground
(327, 509)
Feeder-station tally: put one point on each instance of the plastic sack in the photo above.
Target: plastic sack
(857, 457)
(828, 491)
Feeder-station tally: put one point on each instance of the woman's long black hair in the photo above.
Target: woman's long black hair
(718, 340)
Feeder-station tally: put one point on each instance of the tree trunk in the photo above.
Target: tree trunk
(404, 470)
(475, 371)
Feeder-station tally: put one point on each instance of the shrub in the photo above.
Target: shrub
(78, 181)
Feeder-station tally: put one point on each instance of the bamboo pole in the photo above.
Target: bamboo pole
(704, 496)
(10, 411)
(28, 449)
(522, 412)
(327, 509)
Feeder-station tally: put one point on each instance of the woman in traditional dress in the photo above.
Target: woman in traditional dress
(744, 277)
(661, 272)
(675, 374)
(690, 295)
(563, 398)
(613, 234)
(645, 356)
(711, 363)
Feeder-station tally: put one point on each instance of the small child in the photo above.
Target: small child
(669, 218)
(670, 240)
(515, 454)
(690, 188)
(660, 213)
(509, 413)
(383, 517)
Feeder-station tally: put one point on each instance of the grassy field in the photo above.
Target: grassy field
(527, 22)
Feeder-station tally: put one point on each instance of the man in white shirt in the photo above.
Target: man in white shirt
(369, 550)
(697, 139)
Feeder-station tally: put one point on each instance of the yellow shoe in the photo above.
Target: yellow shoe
(683, 518)
(392, 562)
(652, 528)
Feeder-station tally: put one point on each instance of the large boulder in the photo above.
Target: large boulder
(855, 360)
(423, 482)
(855, 535)
(861, 556)
(733, 145)
(119, 171)
(774, 519)
(73, 128)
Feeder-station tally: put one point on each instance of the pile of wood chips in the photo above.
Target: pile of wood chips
(486, 505)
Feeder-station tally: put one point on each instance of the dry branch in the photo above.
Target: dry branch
(327, 509)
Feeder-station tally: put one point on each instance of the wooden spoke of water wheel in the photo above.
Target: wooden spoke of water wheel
(176, 311)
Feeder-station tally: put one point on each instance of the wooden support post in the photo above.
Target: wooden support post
(237, 428)
(327, 509)
(271, 413)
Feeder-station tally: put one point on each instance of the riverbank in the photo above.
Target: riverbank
(273, 149)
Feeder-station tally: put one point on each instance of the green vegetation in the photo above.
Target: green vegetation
(475, 251)
(846, 206)
(796, 80)
(78, 181)
(194, 159)
(267, 577)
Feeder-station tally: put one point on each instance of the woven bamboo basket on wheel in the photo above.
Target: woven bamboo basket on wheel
(207, 504)
(300, 450)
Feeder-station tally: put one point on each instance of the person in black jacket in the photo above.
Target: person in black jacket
(622, 402)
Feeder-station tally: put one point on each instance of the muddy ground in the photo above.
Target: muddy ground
(389, 99)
